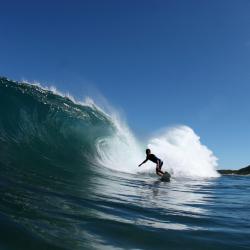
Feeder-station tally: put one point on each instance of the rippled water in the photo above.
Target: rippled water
(112, 210)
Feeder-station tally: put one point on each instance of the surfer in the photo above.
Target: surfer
(154, 159)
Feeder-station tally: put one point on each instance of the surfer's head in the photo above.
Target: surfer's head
(148, 151)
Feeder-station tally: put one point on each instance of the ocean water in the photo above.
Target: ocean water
(69, 180)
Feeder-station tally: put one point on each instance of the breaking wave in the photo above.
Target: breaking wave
(43, 131)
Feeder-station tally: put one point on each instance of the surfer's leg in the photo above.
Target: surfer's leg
(159, 168)
(161, 173)
(158, 171)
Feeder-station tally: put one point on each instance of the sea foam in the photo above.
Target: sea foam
(179, 147)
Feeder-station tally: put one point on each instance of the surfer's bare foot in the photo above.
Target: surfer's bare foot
(160, 174)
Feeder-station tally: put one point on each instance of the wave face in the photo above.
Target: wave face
(39, 126)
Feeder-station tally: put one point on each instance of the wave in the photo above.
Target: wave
(41, 131)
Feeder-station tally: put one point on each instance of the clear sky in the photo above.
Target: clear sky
(161, 62)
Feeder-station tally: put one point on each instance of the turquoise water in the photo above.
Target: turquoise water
(55, 196)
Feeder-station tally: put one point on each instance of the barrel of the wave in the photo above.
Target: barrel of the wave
(47, 134)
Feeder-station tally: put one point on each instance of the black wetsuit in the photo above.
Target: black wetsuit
(154, 159)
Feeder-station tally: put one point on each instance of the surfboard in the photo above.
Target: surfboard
(166, 177)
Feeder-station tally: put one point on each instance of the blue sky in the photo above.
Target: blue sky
(161, 62)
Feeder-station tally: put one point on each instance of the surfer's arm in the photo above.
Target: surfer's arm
(143, 162)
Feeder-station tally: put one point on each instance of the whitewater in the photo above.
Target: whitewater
(69, 179)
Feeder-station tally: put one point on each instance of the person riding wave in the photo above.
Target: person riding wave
(154, 159)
